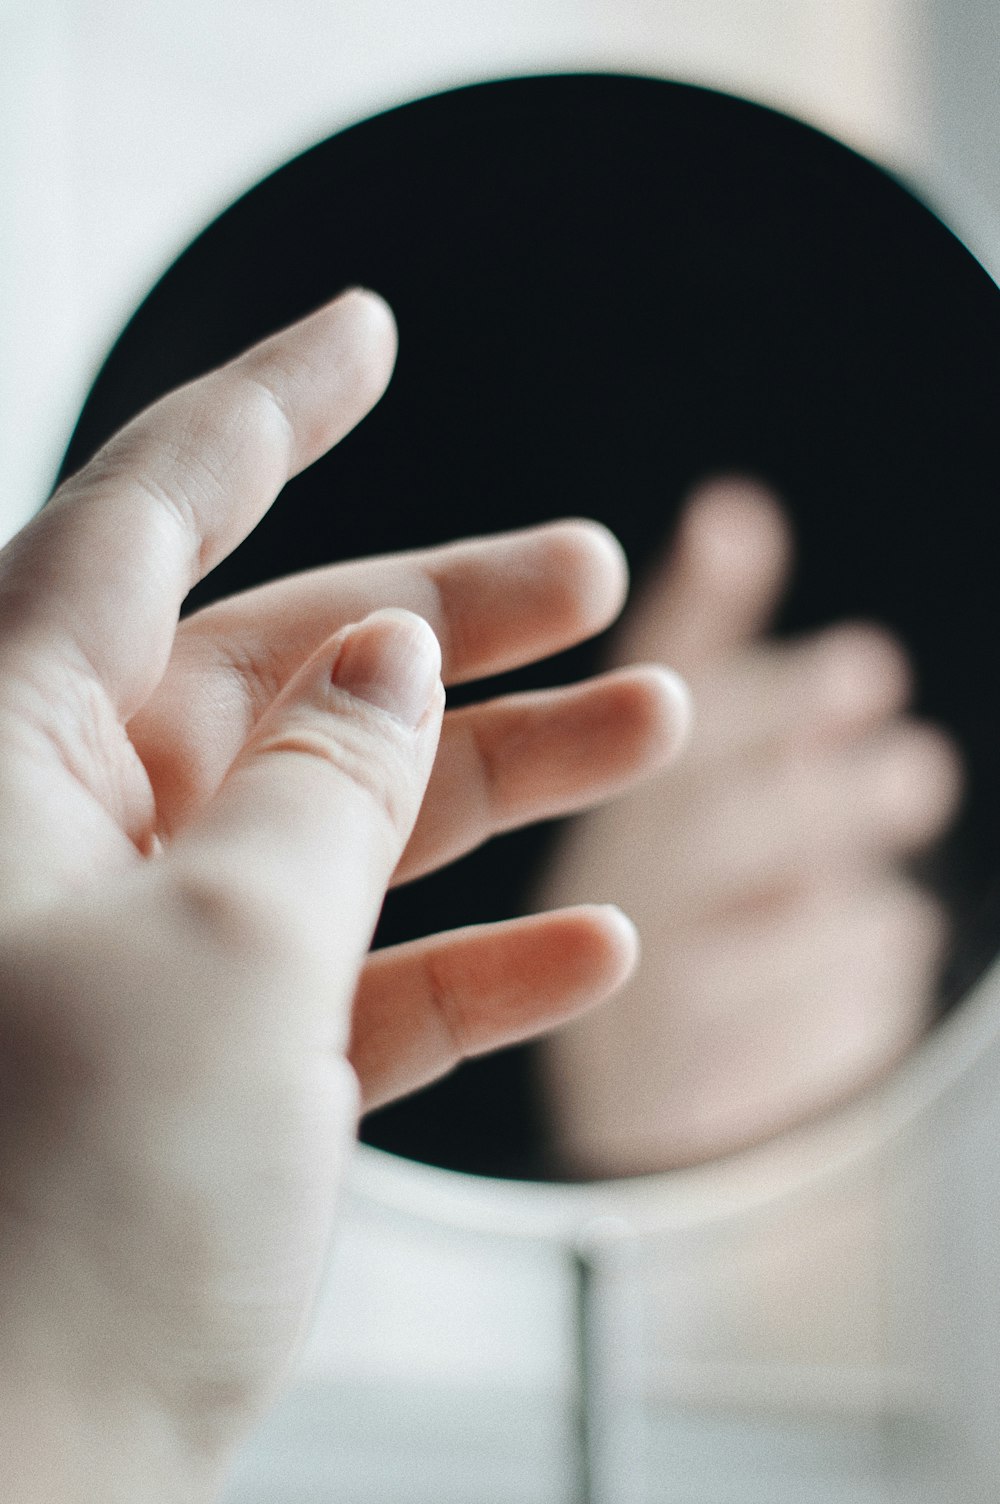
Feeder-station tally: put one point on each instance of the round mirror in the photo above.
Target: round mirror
(611, 293)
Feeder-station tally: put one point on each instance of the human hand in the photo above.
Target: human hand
(788, 957)
(199, 822)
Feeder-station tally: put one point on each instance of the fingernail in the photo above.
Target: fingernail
(390, 660)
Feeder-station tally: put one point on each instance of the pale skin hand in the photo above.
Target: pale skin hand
(788, 958)
(197, 827)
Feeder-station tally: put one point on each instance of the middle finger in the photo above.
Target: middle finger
(494, 604)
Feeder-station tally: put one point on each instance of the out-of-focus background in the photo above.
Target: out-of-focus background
(124, 128)
(788, 1318)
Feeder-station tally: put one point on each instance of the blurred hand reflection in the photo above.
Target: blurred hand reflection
(789, 956)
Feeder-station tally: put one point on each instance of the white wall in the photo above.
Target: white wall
(961, 107)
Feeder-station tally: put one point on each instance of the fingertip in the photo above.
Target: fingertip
(924, 780)
(743, 501)
(861, 673)
(622, 940)
(364, 303)
(371, 309)
(669, 710)
(392, 661)
(598, 946)
(735, 528)
(372, 325)
(321, 375)
(595, 566)
(351, 342)
(718, 582)
(678, 707)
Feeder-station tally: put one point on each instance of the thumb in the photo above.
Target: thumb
(289, 866)
(721, 581)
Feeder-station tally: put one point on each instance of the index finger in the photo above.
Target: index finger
(98, 578)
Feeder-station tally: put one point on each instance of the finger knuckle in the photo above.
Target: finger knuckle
(364, 770)
(232, 911)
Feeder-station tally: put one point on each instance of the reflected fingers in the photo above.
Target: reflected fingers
(703, 841)
(832, 991)
(837, 684)
(731, 1033)
(784, 822)
(720, 582)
